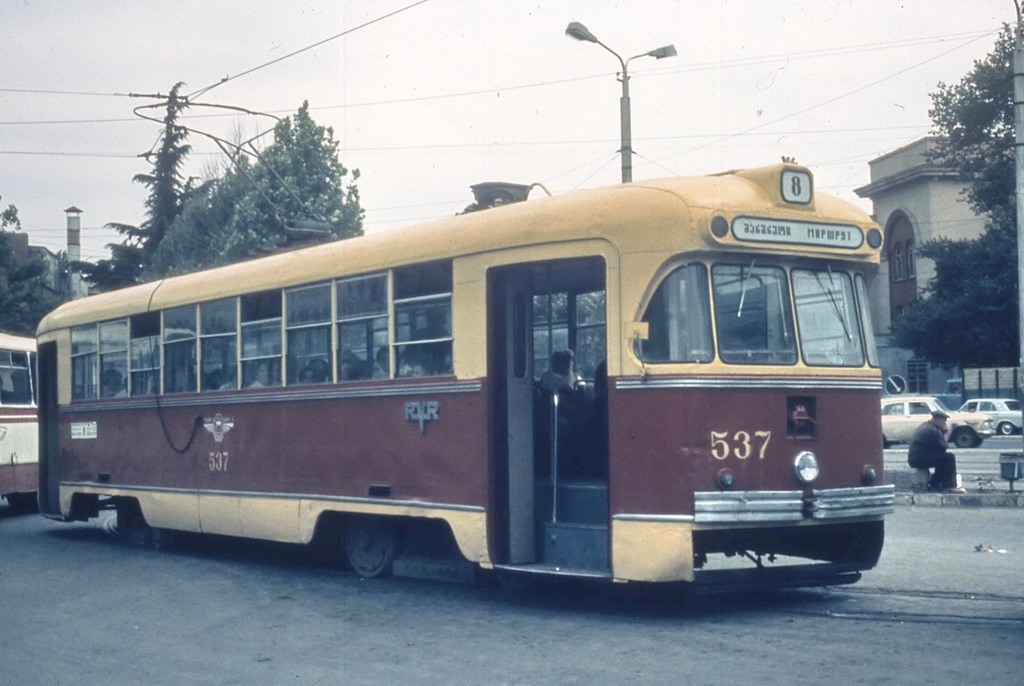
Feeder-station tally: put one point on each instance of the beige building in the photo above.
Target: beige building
(915, 202)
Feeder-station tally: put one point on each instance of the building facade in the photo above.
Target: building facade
(914, 201)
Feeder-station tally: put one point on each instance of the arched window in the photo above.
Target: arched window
(911, 265)
(897, 262)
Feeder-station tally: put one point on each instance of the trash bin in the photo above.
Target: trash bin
(1011, 467)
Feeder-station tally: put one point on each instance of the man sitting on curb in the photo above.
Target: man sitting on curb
(929, 450)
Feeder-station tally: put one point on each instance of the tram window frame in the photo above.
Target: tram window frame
(218, 344)
(362, 327)
(562, 319)
(308, 333)
(423, 333)
(144, 358)
(678, 316)
(180, 339)
(823, 299)
(769, 339)
(16, 387)
(260, 334)
(84, 360)
(113, 358)
(867, 326)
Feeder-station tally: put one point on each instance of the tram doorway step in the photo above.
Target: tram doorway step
(434, 569)
(583, 546)
(582, 501)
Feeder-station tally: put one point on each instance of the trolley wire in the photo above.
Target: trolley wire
(226, 79)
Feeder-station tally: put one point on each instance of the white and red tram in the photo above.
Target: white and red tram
(386, 393)
(19, 432)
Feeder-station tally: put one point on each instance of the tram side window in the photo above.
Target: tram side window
(423, 320)
(679, 319)
(218, 347)
(309, 334)
(567, 319)
(826, 312)
(363, 328)
(261, 339)
(550, 328)
(114, 359)
(15, 382)
(180, 349)
(144, 353)
(84, 384)
(590, 332)
(753, 315)
(863, 309)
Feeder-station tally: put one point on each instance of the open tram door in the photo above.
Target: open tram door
(551, 468)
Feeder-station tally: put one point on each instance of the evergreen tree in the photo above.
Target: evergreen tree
(167, 192)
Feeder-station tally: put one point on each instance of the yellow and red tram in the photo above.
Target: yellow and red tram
(19, 432)
(388, 392)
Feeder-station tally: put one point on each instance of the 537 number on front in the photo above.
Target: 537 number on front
(743, 445)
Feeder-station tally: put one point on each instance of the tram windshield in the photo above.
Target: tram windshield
(754, 317)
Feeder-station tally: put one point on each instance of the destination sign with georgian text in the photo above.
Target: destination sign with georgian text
(765, 230)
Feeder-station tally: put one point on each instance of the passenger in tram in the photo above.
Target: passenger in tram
(113, 385)
(380, 364)
(561, 375)
(262, 377)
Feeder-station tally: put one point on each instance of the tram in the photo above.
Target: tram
(19, 432)
(392, 394)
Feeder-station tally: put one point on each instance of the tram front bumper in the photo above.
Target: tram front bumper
(773, 507)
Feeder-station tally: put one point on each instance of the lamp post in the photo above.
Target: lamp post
(579, 32)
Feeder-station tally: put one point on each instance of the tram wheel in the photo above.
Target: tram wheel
(370, 546)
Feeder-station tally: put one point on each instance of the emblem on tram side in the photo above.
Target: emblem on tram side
(423, 412)
(218, 425)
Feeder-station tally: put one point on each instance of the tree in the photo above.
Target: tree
(167, 193)
(295, 188)
(24, 296)
(968, 313)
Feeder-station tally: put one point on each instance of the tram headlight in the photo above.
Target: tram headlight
(806, 467)
(726, 479)
(868, 475)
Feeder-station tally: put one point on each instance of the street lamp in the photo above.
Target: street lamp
(579, 32)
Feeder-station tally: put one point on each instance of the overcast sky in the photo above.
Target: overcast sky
(427, 98)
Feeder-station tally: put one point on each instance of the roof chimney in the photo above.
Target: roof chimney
(74, 216)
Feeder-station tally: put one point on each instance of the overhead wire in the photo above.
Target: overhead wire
(226, 79)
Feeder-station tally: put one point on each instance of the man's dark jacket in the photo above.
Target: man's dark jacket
(927, 445)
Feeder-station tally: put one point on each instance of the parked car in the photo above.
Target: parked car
(902, 414)
(1005, 413)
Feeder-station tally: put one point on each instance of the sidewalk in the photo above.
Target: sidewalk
(984, 486)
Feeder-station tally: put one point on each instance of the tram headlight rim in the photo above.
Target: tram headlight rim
(805, 466)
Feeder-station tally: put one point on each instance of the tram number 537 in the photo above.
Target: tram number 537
(740, 444)
(218, 461)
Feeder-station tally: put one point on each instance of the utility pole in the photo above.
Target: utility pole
(1018, 132)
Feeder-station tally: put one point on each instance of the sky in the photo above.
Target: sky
(428, 97)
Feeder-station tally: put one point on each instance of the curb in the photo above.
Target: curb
(904, 498)
(998, 496)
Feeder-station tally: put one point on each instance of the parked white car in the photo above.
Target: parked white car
(1005, 413)
(902, 414)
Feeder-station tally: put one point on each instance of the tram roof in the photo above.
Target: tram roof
(12, 342)
(634, 217)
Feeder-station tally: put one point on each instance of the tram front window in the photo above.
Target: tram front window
(827, 315)
(753, 314)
